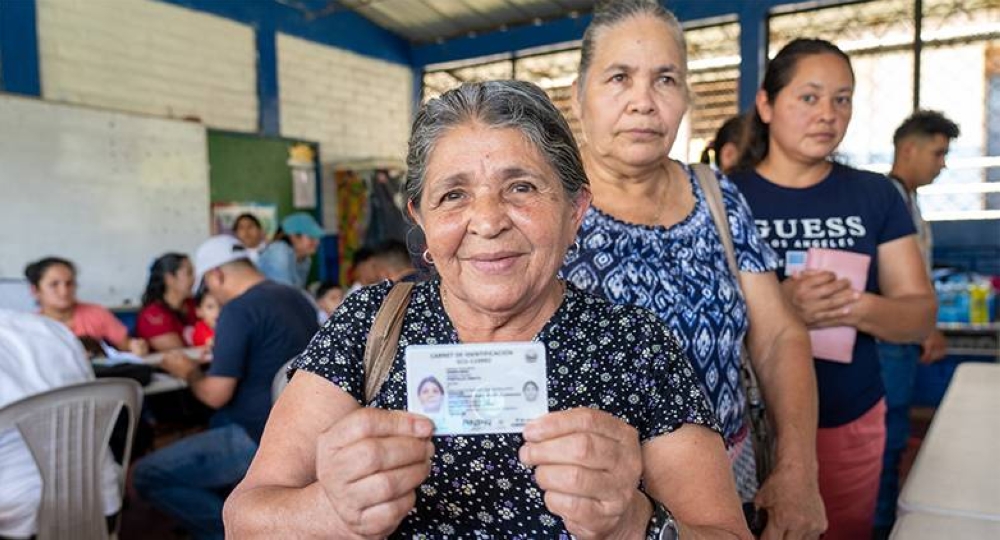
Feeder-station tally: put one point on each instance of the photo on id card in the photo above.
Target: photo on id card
(477, 388)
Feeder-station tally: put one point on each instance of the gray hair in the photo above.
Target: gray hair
(612, 12)
(496, 104)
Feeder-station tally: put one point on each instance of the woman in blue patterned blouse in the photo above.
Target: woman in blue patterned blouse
(496, 183)
(649, 240)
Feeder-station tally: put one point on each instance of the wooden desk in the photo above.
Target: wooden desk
(921, 526)
(957, 471)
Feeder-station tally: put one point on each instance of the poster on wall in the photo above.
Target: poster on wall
(225, 213)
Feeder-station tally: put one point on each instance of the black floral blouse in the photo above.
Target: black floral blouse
(620, 359)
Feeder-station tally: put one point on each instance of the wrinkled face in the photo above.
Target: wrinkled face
(303, 245)
(182, 280)
(208, 310)
(809, 116)
(249, 234)
(927, 158)
(430, 397)
(57, 288)
(496, 218)
(634, 94)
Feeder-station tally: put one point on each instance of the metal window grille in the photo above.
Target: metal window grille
(953, 67)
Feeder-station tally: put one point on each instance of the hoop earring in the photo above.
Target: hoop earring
(573, 249)
(427, 257)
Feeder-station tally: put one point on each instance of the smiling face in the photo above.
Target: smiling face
(634, 95)
(496, 218)
(810, 115)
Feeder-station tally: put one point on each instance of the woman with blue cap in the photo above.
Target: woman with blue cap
(289, 257)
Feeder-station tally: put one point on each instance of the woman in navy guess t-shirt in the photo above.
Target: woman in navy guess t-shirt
(800, 200)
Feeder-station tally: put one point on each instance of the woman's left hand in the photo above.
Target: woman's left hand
(589, 463)
(790, 495)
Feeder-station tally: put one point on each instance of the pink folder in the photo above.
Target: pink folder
(837, 344)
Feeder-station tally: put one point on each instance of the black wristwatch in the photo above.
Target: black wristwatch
(661, 524)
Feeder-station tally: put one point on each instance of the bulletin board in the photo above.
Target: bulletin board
(109, 191)
(251, 168)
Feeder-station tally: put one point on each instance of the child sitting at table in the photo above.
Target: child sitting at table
(208, 313)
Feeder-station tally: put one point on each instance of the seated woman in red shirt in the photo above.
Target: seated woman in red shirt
(167, 317)
(53, 284)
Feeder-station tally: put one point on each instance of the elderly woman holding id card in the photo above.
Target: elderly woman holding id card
(619, 441)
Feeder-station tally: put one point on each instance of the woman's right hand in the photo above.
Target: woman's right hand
(369, 464)
(819, 298)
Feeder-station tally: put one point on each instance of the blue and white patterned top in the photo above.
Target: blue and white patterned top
(619, 359)
(680, 273)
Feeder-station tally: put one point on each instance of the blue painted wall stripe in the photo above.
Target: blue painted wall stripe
(268, 93)
(19, 71)
(344, 29)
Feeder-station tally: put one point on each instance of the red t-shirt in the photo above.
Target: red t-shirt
(157, 319)
(202, 333)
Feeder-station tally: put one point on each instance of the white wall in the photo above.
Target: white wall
(149, 57)
(356, 107)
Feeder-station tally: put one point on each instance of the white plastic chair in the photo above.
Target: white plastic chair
(67, 431)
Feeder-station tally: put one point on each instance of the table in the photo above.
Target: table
(164, 382)
(957, 471)
(921, 526)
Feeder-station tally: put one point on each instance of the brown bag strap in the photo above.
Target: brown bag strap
(713, 197)
(383, 338)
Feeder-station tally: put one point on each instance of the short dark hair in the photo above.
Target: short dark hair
(247, 216)
(36, 270)
(393, 252)
(325, 287)
(363, 254)
(925, 124)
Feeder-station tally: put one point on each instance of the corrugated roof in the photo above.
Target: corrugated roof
(427, 21)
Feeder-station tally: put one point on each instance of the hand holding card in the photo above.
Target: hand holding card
(837, 344)
(477, 388)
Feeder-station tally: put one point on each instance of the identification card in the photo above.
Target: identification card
(477, 388)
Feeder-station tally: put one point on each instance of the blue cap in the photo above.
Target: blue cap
(301, 223)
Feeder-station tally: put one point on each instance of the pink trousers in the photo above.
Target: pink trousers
(850, 462)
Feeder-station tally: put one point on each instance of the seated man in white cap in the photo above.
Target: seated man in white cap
(262, 325)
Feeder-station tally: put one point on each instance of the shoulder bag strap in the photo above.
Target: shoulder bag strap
(756, 418)
(383, 338)
(713, 197)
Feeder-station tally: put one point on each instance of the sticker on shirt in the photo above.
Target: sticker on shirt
(477, 388)
(795, 262)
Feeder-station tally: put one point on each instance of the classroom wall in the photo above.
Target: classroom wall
(355, 106)
(149, 57)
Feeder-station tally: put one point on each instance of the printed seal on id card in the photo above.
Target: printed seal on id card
(477, 388)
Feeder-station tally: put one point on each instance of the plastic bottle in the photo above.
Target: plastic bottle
(979, 312)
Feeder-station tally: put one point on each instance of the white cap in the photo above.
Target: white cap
(215, 252)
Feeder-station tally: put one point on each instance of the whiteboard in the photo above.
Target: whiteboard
(107, 190)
